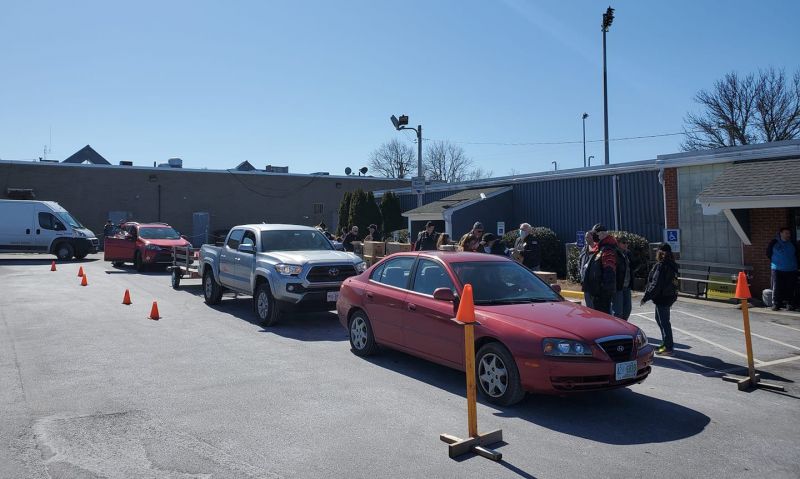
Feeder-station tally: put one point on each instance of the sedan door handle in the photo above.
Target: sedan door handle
(412, 307)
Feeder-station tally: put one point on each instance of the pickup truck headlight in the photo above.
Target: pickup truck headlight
(152, 247)
(288, 269)
(361, 267)
(641, 340)
(565, 348)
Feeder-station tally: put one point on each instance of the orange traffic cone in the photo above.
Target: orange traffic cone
(127, 298)
(83, 281)
(742, 288)
(80, 271)
(154, 311)
(53, 266)
(466, 308)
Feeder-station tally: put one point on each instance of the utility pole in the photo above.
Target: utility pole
(585, 115)
(608, 18)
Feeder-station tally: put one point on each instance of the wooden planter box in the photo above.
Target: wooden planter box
(547, 277)
(392, 248)
(374, 251)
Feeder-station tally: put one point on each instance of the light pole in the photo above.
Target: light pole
(402, 124)
(608, 18)
(585, 116)
(590, 160)
(555, 165)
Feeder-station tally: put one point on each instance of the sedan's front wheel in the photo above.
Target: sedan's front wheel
(362, 340)
(497, 375)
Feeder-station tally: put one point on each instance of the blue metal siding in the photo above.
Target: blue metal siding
(642, 204)
(488, 212)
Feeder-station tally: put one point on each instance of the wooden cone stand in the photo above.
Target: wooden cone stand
(475, 442)
(753, 379)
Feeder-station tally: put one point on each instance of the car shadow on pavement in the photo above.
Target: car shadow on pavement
(45, 261)
(709, 366)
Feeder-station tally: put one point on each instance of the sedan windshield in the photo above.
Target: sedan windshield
(294, 240)
(503, 282)
(159, 233)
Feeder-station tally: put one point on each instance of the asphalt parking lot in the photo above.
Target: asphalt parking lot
(92, 388)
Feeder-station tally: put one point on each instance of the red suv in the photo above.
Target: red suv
(143, 244)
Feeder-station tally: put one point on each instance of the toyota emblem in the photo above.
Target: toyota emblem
(620, 349)
(333, 272)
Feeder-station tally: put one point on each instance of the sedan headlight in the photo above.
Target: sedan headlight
(641, 339)
(565, 347)
(152, 247)
(288, 269)
(361, 267)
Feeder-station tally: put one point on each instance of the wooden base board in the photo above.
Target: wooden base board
(458, 446)
(747, 383)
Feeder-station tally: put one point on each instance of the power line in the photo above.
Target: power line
(577, 142)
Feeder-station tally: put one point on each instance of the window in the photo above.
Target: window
(396, 272)
(431, 276)
(503, 282)
(159, 232)
(50, 222)
(235, 238)
(249, 238)
(294, 240)
(318, 208)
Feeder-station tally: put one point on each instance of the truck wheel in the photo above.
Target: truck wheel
(497, 375)
(64, 251)
(264, 304)
(211, 290)
(117, 264)
(176, 279)
(362, 340)
(137, 262)
(81, 256)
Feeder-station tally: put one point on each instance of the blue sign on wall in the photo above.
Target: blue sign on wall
(580, 239)
(673, 237)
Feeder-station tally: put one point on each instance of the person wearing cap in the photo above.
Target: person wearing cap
(662, 290)
(426, 239)
(493, 245)
(471, 240)
(347, 242)
(604, 288)
(373, 233)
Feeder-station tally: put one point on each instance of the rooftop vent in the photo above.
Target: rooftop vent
(175, 163)
(125, 163)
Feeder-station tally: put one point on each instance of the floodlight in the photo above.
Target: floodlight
(348, 171)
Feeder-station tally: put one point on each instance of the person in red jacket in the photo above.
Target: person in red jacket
(604, 251)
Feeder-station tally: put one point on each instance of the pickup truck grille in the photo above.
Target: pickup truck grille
(330, 273)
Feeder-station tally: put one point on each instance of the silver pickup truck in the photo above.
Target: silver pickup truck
(284, 268)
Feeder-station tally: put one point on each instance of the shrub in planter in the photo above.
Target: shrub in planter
(552, 249)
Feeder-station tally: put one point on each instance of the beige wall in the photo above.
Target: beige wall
(90, 192)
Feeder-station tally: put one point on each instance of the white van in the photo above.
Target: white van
(43, 227)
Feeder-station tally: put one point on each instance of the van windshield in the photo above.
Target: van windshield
(68, 219)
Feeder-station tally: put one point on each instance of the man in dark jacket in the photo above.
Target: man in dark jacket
(347, 242)
(493, 245)
(583, 263)
(621, 305)
(604, 252)
(782, 255)
(662, 289)
(528, 248)
(426, 240)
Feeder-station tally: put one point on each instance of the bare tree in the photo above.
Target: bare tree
(446, 161)
(743, 110)
(393, 159)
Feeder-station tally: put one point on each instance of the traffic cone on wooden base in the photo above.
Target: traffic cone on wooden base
(80, 271)
(53, 266)
(154, 311)
(127, 298)
(84, 282)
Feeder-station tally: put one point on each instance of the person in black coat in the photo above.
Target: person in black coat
(347, 242)
(426, 240)
(493, 245)
(662, 289)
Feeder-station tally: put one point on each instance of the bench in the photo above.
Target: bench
(710, 280)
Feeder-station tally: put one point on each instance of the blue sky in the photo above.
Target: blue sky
(311, 84)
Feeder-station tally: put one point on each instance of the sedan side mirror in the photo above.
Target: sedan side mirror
(444, 294)
(556, 288)
(246, 248)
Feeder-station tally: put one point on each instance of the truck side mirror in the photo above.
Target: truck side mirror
(246, 248)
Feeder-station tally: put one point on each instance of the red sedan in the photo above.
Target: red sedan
(143, 244)
(529, 337)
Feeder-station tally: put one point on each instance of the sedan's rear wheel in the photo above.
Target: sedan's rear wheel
(497, 375)
(362, 340)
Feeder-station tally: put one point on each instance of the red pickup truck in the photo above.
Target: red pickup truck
(143, 244)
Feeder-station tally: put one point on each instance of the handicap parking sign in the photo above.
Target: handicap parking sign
(673, 237)
(580, 239)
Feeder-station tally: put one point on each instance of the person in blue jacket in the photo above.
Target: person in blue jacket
(782, 255)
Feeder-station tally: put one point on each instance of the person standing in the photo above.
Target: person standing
(426, 239)
(583, 263)
(782, 255)
(528, 249)
(493, 245)
(347, 242)
(621, 306)
(472, 239)
(373, 233)
(662, 289)
(444, 240)
(603, 284)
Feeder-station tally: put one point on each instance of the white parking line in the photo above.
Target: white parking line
(740, 330)
(700, 338)
(785, 326)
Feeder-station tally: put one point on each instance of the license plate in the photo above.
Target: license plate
(626, 370)
(333, 296)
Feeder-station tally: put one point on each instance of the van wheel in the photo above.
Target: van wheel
(264, 304)
(497, 375)
(137, 262)
(80, 256)
(212, 292)
(64, 251)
